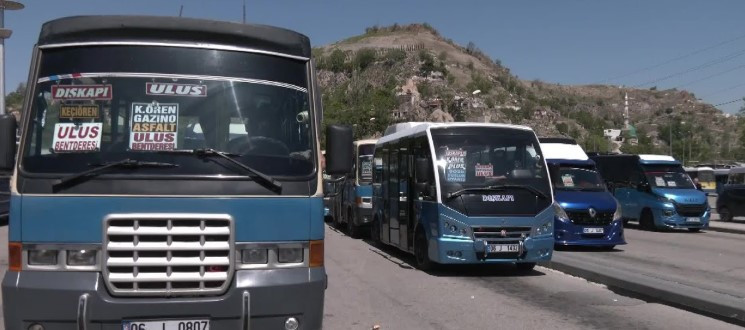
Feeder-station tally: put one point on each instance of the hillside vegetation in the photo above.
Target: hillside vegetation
(412, 73)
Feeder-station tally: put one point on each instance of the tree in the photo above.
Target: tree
(363, 58)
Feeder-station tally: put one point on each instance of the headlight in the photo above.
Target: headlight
(559, 212)
(663, 199)
(81, 257)
(455, 228)
(42, 257)
(546, 228)
(290, 255)
(254, 256)
(617, 215)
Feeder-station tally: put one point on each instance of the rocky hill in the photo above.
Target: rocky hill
(412, 73)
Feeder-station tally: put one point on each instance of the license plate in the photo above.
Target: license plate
(592, 230)
(167, 325)
(696, 219)
(502, 248)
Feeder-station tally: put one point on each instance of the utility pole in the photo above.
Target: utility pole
(5, 34)
(244, 11)
(669, 111)
(181, 11)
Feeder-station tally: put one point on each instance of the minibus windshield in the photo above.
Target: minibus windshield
(103, 104)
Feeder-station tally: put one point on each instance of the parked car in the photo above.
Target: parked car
(731, 199)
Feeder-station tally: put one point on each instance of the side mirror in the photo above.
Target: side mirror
(643, 187)
(339, 150)
(7, 142)
(422, 170)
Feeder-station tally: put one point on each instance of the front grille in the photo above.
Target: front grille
(154, 255)
(488, 233)
(690, 210)
(583, 218)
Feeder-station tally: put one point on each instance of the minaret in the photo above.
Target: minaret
(626, 111)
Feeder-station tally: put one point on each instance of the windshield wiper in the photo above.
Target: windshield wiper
(100, 168)
(497, 188)
(265, 180)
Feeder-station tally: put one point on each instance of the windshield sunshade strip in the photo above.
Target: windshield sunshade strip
(168, 76)
(170, 44)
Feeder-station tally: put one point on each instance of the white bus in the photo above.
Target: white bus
(463, 193)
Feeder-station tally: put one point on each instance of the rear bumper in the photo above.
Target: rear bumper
(445, 251)
(568, 233)
(265, 297)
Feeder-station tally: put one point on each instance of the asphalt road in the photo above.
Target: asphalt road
(707, 264)
(372, 286)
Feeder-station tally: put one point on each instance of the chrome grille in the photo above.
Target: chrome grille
(168, 255)
(495, 233)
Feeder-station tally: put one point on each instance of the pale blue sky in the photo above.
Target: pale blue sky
(571, 41)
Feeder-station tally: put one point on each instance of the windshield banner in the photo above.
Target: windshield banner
(154, 126)
(456, 165)
(71, 137)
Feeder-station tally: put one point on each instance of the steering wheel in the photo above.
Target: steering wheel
(256, 145)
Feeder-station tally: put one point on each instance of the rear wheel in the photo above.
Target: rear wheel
(725, 214)
(421, 252)
(336, 220)
(694, 230)
(525, 266)
(646, 220)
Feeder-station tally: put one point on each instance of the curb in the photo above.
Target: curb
(721, 306)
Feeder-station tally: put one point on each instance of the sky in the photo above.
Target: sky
(697, 45)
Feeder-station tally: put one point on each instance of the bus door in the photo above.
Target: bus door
(385, 195)
(405, 199)
(393, 195)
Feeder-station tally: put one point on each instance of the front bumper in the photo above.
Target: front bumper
(445, 251)
(363, 216)
(568, 233)
(676, 221)
(53, 299)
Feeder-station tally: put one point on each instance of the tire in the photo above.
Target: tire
(352, 230)
(375, 231)
(337, 220)
(525, 266)
(625, 222)
(646, 220)
(421, 252)
(724, 214)
(694, 230)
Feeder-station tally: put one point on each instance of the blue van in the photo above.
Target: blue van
(586, 213)
(655, 190)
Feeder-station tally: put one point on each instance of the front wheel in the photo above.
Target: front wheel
(375, 232)
(646, 220)
(525, 266)
(724, 214)
(352, 229)
(694, 230)
(421, 252)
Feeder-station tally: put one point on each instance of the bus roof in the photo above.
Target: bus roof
(657, 159)
(77, 30)
(563, 151)
(368, 141)
(736, 170)
(415, 128)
